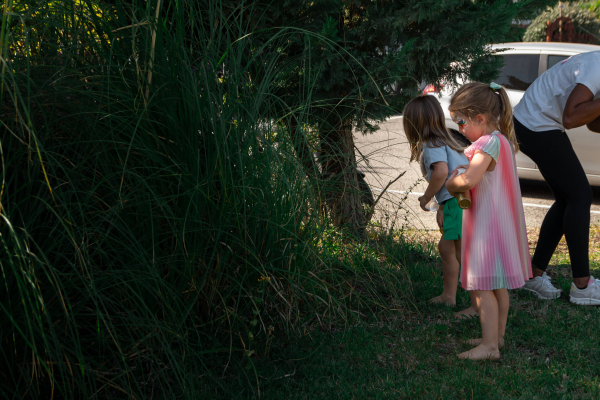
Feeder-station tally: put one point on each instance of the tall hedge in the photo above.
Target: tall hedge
(593, 6)
(584, 21)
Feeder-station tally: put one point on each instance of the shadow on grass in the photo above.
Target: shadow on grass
(552, 348)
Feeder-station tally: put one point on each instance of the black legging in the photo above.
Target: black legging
(570, 213)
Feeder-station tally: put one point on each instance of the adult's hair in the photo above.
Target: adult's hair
(477, 98)
(424, 122)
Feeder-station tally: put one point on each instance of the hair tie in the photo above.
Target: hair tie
(495, 87)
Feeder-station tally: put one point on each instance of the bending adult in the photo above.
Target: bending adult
(566, 96)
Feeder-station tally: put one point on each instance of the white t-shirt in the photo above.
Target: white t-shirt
(542, 105)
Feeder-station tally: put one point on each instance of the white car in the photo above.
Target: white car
(523, 63)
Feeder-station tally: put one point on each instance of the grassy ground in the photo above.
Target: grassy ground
(552, 350)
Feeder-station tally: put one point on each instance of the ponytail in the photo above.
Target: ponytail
(505, 119)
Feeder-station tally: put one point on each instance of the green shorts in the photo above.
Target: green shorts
(453, 216)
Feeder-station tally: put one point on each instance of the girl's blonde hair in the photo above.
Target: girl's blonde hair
(423, 120)
(477, 98)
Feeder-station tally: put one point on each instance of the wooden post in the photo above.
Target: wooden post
(560, 22)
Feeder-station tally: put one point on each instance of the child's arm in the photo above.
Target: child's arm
(455, 170)
(436, 182)
(479, 164)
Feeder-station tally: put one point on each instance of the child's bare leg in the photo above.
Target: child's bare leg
(458, 250)
(471, 311)
(503, 306)
(487, 307)
(468, 312)
(451, 268)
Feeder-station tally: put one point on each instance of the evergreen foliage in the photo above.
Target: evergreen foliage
(391, 47)
(372, 56)
(584, 21)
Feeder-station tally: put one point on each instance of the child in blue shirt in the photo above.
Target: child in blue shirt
(441, 152)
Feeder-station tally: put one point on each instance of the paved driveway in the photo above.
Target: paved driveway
(388, 155)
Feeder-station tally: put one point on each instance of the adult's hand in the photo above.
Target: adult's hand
(581, 109)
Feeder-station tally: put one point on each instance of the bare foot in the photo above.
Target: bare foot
(477, 342)
(440, 299)
(466, 313)
(480, 352)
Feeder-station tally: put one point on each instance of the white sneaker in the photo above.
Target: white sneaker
(541, 286)
(590, 296)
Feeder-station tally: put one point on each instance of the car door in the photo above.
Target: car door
(585, 142)
(521, 68)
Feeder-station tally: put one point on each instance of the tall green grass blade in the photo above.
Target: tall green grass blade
(180, 232)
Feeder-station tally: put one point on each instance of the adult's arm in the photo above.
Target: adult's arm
(581, 109)
(594, 126)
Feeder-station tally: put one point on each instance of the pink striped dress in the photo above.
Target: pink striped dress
(495, 251)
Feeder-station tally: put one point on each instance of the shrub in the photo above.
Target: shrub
(584, 21)
(593, 6)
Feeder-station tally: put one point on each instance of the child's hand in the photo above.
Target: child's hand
(440, 217)
(423, 201)
(449, 179)
(455, 170)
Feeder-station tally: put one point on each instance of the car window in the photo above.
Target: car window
(519, 71)
(553, 60)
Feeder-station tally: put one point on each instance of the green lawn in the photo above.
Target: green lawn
(552, 351)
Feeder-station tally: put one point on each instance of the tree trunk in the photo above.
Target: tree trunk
(340, 183)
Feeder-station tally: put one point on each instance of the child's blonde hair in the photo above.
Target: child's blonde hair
(423, 120)
(477, 98)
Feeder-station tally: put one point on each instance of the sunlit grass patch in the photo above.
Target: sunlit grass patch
(551, 351)
(561, 254)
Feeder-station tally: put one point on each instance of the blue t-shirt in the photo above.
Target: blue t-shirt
(445, 154)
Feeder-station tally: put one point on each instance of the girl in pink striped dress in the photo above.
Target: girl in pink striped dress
(495, 252)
